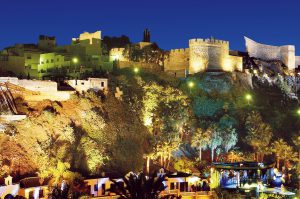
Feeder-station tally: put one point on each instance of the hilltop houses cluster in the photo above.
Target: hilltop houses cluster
(46, 58)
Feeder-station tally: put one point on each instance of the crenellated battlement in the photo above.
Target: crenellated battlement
(180, 50)
(199, 41)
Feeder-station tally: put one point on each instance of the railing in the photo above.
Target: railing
(188, 195)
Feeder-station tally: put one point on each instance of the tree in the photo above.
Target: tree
(138, 186)
(200, 140)
(216, 139)
(229, 138)
(183, 164)
(283, 151)
(59, 173)
(259, 134)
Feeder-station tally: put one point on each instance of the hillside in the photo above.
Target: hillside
(156, 117)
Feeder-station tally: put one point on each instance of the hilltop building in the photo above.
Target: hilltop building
(202, 55)
(46, 59)
(286, 54)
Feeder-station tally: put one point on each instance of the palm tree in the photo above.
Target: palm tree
(200, 140)
(139, 186)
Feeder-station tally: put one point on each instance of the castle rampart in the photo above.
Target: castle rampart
(266, 52)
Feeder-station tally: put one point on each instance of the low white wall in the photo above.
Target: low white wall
(11, 118)
(53, 96)
(37, 85)
(13, 80)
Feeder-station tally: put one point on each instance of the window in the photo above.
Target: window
(82, 83)
(42, 62)
(28, 56)
(52, 60)
(57, 59)
(96, 187)
(47, 61)
(102, 84)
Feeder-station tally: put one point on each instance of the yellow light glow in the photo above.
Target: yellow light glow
(193, 179)
(298, 112)
(191, 84)
(136, 70)
(248, 97)
(75, 60)
(116, 57)
(148, 121)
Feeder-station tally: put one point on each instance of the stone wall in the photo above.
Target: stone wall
(212, 55)
(38, 85)
(90, 36)
(128, 64)
(269, 53)
(177, 59)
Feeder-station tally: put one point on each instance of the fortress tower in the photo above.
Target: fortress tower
(209, 54)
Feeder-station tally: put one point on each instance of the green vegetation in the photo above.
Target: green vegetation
(158, 119)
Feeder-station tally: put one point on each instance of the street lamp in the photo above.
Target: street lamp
(191, 85)
(75, 61)
(248, 98)
(136, 70)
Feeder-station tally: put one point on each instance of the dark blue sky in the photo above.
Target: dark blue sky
(171, 22)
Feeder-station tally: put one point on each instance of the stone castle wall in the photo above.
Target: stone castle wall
(212, 55)
(177, 60)
(127, 64)
(269, 53)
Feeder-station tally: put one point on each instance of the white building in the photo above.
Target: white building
(95, 84)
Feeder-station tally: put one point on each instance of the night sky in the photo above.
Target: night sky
(171, 22)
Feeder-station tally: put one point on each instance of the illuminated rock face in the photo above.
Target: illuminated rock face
(212, 55)
(269, 53)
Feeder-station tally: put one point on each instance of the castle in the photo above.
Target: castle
(84, 56)
(286, 54)
(202, 55)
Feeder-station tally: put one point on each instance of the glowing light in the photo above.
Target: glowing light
(248, 98)
(136, 70)
(75, 60)
(148, 121)
(193, 179)
(191, 84)
(116, 57)
(298, 111)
